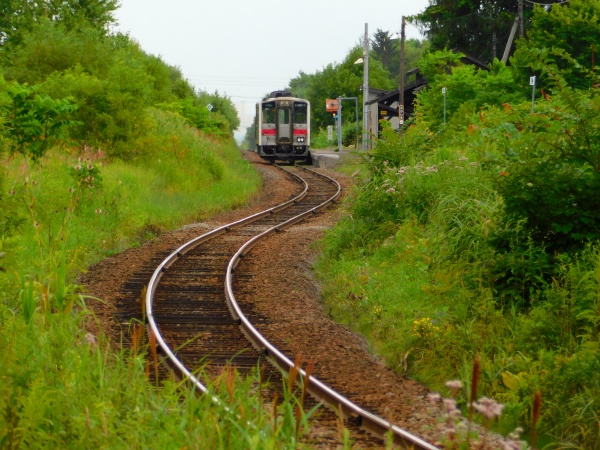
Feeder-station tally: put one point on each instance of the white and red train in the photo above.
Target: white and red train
(283, 128)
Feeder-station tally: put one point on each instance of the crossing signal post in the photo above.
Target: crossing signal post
(339, 125)
(334, 106)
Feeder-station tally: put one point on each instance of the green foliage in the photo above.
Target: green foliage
(468, 26)
(224, 116)
(33, 122)
(10, 217)
(17, 17)
(547, 165)
(467, 89)
(196, 113)
(64, 387)
(438, 63)
(28, 301)
(64, 214)
(573, 27)
(173, 138)
(383, 49)
(481, 238)
(386, 49)
(402, 149)
(250, 139)
(50, 47)
(338, 80)
(113, 82)
(85, 175)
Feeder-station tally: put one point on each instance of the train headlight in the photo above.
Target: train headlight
(300, 139)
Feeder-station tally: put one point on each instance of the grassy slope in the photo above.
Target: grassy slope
(61, 388)
(415, 288)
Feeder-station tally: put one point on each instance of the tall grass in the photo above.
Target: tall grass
(65, 388)
(82, 207)
(414, 267)
(62, 387)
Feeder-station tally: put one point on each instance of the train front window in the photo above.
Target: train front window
(268, 112)
(300, 110)
(284, 116)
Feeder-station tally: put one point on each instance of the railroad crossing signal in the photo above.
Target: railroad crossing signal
(331, 104)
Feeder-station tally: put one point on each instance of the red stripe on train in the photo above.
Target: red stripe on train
(300, 131)
(269, 132)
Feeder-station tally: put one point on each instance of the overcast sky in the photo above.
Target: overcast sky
(245, 48)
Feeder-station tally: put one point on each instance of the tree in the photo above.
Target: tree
(50, 47)
(339, 80)
(574, 28)
(468, 89)
(222, 105)
(20, 16)
(470, 26)
(250, 138)
(384, 50)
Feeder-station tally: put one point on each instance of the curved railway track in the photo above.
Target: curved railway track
(191, 306)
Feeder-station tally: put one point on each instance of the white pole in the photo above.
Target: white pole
(339, 124)
(366, 137)
(532, 83)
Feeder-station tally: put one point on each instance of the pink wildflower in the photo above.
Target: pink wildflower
(454, 384)
(434, 397)
(490, 408)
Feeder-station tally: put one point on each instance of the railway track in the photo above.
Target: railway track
(192, 310)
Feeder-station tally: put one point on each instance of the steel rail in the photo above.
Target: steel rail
(319, 390)
(168, 356)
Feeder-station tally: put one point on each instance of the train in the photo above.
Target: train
(282, 128)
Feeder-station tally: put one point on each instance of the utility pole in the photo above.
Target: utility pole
(401, 88)
(521, 25)
(366, 89)
(511, 39)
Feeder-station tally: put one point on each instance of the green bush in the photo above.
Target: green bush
(404, 149)
(33, 122)
(480, 237)
(467, 88)
(112, 81)
(547, 165)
